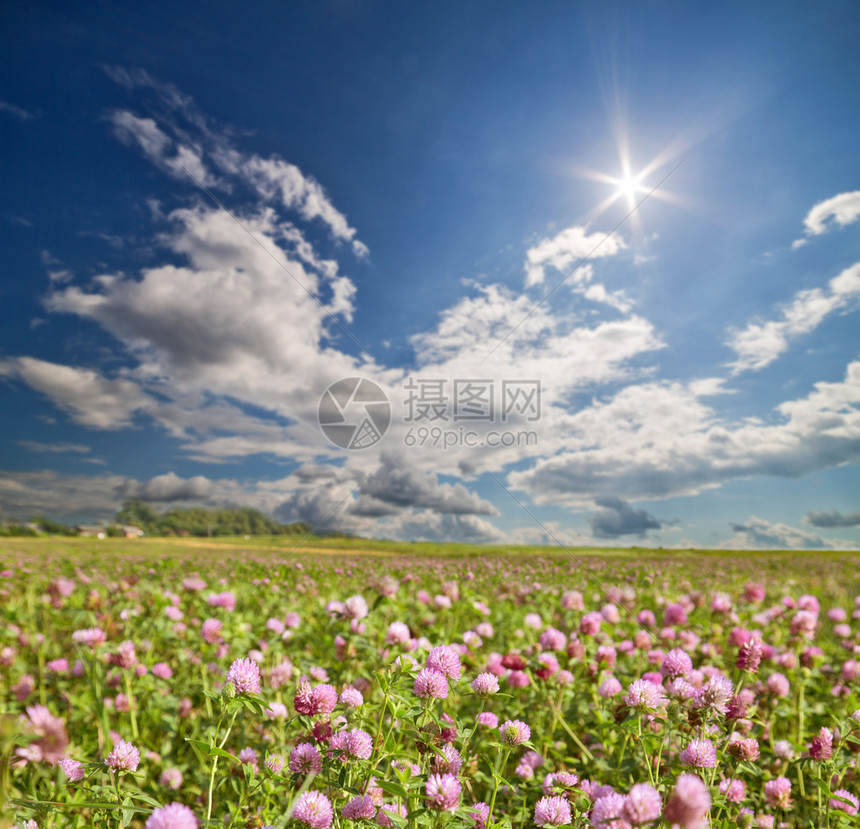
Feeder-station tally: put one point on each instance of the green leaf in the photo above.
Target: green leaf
(219, 752)
(128, 810)
(395, 818)
(145, 798)
(393, 788)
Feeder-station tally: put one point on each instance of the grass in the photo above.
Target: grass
(64, 546)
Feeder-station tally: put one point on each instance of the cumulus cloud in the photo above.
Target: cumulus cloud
(616, 518)
(429, 526)
(248, 321)
(325, 507)
(397, 483)
(757, 533)
(832, 518)
(408, 499)
(168, 488)
(658, 440)
(310, 472)
(760, 343)
(565, 249)
(838, 211)
(530, 342)
(242, 319)
(232, 342)
(86, 396)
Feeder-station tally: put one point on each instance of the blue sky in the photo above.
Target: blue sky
(210, 215)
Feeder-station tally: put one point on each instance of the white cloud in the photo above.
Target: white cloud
(757, 534)
(659, 440)
(615, 299)
(55, 274)
(158, 147)
(229, 324)
(195, 136)
(232, 354)
(429, 526)
(760, 343)
(278, 180)
(566, 248)
(238, 318)
(838, 211)
(89, 398)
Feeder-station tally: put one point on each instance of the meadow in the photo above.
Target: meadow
(181, 683)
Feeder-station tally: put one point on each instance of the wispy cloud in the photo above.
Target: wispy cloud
(35, 446)
(838, 211)
(760, 343)
(176, 159)
(16, 111)
(184, 141)
(756, 533)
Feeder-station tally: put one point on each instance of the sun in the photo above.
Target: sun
(629, 187)
(633, 189)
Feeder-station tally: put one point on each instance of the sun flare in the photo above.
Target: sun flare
(629, 186)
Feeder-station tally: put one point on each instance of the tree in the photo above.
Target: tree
(138, 514)
(52, 527)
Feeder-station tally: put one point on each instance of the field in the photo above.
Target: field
(179, 683)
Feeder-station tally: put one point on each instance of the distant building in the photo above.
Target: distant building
(131, 531)
(90, 531)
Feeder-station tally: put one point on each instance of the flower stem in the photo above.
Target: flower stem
(215, 762)
(132, 704)
(501, 762)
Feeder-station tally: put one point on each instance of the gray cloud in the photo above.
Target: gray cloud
(36, 446)
(832, 518)
(430, 526)
(169, 488)
(617, 518)
(57, 495)
(757, 533)
(396, 482)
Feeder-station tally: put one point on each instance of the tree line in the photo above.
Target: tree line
(198, 522)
